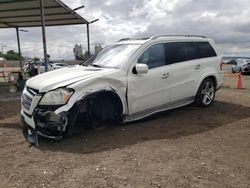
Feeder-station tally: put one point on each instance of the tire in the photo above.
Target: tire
(242, 73)
(72, 117)
(206, 93)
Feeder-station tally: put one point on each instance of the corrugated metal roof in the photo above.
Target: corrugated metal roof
(26, 13)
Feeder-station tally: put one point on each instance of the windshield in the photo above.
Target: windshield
(113, 56)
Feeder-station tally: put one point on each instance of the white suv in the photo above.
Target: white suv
(124, 82)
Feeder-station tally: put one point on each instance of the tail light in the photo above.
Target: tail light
(221, 65)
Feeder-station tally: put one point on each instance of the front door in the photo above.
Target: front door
(150, 89)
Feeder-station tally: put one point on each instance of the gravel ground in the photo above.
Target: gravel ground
(186, 147)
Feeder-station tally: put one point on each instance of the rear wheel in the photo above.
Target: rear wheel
(206, 93)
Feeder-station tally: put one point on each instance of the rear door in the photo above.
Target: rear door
(185, 69)
(209, 61)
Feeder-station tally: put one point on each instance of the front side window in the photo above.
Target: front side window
(179, 51)
(154, 56)
(113, 56)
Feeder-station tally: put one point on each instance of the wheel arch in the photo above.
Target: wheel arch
(81, 98)
(111, 93)
(212, 76)
(85, 105)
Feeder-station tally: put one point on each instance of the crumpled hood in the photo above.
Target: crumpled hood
(65, 76)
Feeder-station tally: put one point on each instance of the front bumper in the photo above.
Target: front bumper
(45, 123)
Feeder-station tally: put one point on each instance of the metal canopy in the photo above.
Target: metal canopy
(39, 13)
(26, 13)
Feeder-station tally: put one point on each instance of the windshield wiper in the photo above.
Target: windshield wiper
(95, 65)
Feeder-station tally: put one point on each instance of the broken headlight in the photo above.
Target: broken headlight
(57, 97)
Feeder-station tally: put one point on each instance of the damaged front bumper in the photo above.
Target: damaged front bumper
(45, 123)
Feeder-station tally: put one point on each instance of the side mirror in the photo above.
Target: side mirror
(141, 68)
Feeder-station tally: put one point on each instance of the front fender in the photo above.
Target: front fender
(81, 97)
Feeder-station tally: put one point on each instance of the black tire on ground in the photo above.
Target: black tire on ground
(206, 93)
(71, 123)
(243, 73)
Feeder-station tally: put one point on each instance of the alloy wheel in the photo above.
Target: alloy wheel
(207, 93)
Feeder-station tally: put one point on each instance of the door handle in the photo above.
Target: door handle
(166, 75)
(197, 67)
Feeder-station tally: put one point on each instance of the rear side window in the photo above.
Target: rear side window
(180, 51)
(204, 49)
(154, 56)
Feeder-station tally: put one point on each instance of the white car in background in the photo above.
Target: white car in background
(59, 65)
(126, 81)
(2, 59)
(242, 65)
(40, 66)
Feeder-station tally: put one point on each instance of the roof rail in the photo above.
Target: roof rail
(157, 36)
(123, 39)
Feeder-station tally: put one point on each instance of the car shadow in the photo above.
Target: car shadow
(173, 124)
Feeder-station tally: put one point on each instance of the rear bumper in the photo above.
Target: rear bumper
(219, 80)
(219, 85)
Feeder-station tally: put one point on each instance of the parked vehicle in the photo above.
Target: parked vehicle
(124, 82)
(232, 62)
(37, 67)
(226, 61)
(59, 65)
(2, 59)
(242, 66)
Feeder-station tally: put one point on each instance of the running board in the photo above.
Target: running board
(145, 113)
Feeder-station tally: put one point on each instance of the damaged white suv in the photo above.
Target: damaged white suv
(124, 82)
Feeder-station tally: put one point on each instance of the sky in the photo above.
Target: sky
(226, 21)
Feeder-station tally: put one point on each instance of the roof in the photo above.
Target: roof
(26, 13)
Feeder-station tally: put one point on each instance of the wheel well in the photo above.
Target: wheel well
(101, 105)
(213, 79)
(105, 105)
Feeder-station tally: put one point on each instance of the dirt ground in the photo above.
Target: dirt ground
(186, 147)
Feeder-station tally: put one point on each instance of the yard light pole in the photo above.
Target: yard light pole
(93, 21)
(44, 35)
(19, 48)
(88, 23)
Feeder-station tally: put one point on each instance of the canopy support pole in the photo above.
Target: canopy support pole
(44, 35)
(88, 39)
(19, 48)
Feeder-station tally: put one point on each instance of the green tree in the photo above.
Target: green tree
(12, 55)
(1, 54)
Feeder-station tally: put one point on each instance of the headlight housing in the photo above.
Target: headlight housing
(57, 97)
